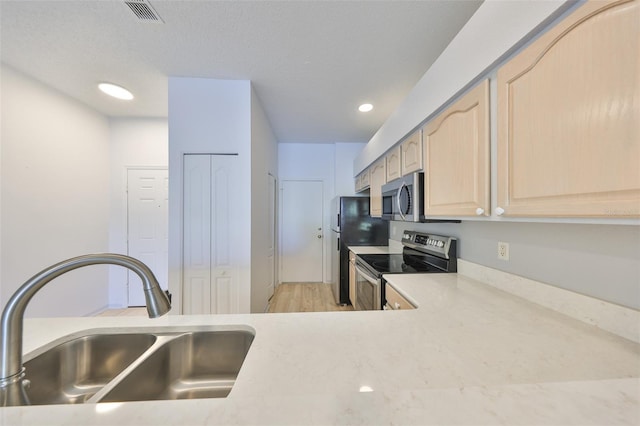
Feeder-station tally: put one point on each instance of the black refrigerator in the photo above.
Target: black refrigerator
(351, 225)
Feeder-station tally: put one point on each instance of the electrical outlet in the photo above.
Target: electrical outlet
(503, 250)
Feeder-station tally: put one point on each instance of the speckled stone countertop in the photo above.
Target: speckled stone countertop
(470, 354)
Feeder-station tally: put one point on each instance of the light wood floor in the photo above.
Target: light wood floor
(125, 312)
(304, 297)
(288, 297)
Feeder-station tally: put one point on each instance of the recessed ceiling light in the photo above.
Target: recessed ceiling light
(115, 91)
(365, 107)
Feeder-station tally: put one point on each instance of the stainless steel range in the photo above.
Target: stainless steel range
(422, 254)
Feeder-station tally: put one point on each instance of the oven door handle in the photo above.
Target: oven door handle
(398, 201)
(366, 276)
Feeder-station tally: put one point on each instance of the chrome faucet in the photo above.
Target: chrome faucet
(12, 390)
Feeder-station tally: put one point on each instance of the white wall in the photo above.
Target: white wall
(330, 163)
(344, 178)
(134, 143)
(312, 162)
(264, 161)
(55, 203)
(596, 260)
(209, 116)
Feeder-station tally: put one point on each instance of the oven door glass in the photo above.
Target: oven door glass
(368, 291)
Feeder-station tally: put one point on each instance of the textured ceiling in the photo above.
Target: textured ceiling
(311, 62)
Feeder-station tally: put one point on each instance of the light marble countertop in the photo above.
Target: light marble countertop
(374, 249)
(470, 354)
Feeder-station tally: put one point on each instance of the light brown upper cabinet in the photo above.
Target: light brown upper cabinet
(362, 181)
(456, 157)
(378, 178)
(569, 118)
(393, 164)
(412, 153)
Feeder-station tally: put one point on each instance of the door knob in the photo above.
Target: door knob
(319, 236)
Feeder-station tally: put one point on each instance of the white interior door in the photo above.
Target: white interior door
(147, 226)
(302, 231)
(210, 261)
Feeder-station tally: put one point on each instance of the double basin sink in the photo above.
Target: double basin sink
(137, 366)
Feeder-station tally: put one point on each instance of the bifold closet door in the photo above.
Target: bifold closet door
(210, 264)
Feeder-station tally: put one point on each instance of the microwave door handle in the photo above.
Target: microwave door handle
(398, 201)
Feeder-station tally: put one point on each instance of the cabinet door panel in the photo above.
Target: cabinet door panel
(412, 153)
(568, 108)
(378, 178)
(365, 179)
(456, 146)
(362, 181)
(393, 164)
(395, 299)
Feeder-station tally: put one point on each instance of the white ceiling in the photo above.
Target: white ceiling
(311, 62)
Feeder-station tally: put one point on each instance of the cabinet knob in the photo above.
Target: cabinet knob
(499, 211)
(479, 211)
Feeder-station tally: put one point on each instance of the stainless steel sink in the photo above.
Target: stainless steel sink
(194, 365)
(74, 371)
(138, 367)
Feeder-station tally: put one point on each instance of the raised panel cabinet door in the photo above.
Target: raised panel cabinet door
(393, 164)
(569, 118)
(456, 157)
(365, 179)
(358, 184)
(411, 153)
(378, 178)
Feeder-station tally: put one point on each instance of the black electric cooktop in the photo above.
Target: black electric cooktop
(406, 263)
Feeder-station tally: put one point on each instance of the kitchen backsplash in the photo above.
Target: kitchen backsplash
(600, 261)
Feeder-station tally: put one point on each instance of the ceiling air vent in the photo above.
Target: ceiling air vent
(143, 11)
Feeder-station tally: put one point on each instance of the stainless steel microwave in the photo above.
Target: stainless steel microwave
(403, 198)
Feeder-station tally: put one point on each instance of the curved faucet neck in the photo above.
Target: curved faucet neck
(11, 323)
